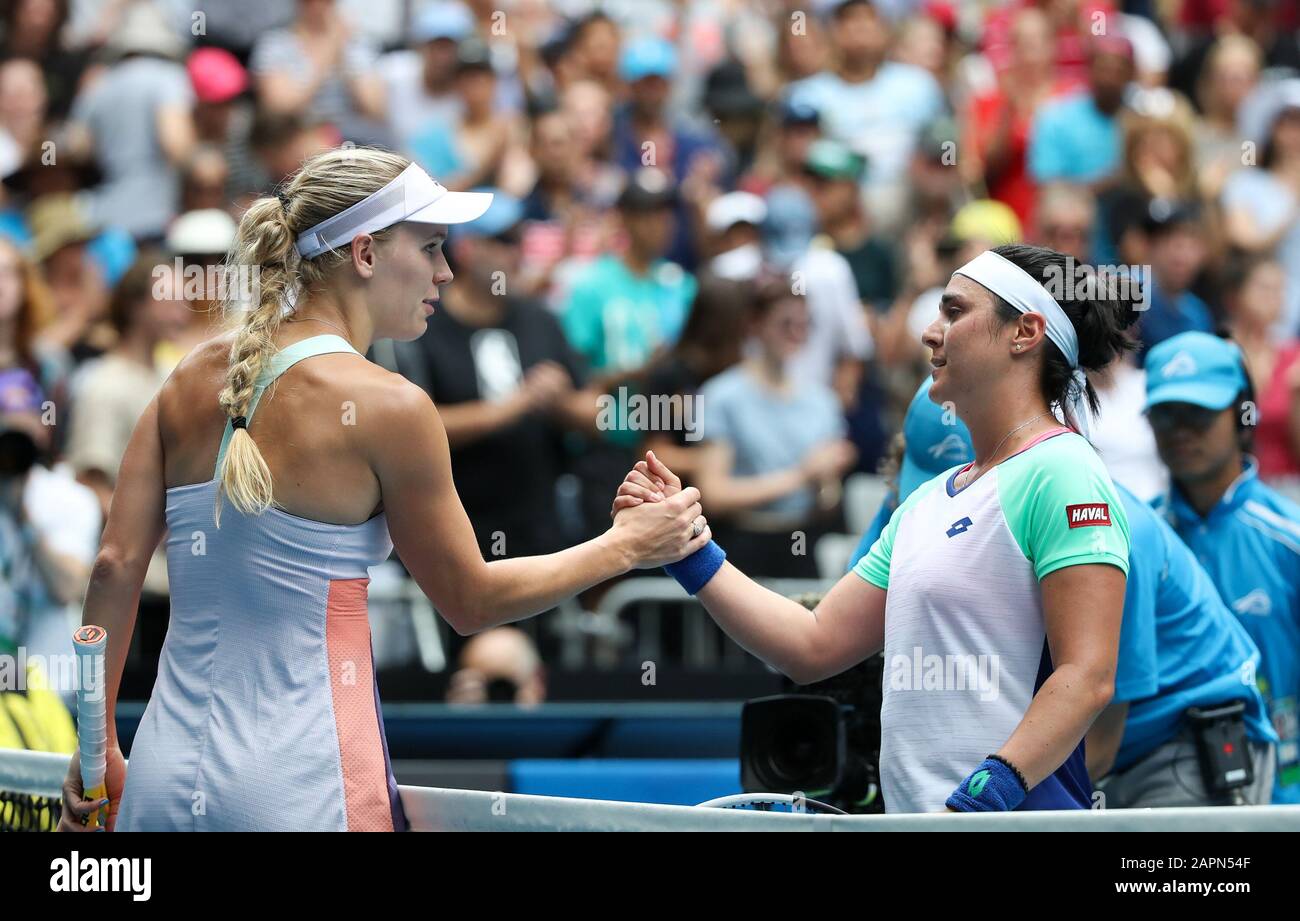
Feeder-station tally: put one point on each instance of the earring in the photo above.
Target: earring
(1019, 347)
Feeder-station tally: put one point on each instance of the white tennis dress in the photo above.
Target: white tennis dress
(265, 714)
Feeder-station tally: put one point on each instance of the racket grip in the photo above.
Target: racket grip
(90, 643)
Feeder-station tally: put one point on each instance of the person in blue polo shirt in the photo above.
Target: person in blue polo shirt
(1247, 536)
(1179, 645)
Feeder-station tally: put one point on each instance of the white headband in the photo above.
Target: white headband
(413, 196)
(1026, 294)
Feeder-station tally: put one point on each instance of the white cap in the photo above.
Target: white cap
(205, 232)
(413, 196)
(735, 208)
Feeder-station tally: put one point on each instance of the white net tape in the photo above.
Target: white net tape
(435, 809)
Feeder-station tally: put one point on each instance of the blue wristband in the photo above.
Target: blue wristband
(695, 571)
(991, 787)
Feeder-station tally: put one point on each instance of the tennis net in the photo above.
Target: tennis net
(30, 784)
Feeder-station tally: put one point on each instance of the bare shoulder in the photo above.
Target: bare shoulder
(392, 404)
(189, 389)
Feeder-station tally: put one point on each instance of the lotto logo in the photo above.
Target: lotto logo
(1093, 514)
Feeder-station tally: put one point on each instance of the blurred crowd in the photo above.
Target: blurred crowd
(738, 213)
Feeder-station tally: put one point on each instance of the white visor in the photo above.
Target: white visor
(413, 196)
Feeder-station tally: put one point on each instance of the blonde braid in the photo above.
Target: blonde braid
(327, 184)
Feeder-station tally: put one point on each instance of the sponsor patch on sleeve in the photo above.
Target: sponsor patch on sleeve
(1088, 515)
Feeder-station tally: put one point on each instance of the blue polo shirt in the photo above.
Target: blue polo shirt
(1179, 645)
(1250, 545)
(1071, 140)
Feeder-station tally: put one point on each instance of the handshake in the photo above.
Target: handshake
(656, 522)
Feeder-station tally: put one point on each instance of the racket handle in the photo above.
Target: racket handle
(90, 643)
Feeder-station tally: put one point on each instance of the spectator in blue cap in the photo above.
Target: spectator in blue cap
(506, 383)
(647, 134)
(1247, 536)
(421, 80)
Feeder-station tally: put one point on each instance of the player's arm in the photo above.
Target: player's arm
(845, 628)
(136, 521)
(409, 454)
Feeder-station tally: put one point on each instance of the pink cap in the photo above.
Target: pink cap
(216, 74)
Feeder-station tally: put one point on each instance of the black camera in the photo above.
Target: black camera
(821, 740)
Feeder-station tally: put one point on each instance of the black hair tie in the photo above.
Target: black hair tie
(284, 199)
(239, 422)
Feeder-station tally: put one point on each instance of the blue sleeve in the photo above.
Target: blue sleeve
(1137, 674)
(877, 525)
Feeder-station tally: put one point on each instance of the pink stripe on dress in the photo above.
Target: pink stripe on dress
(361, 748)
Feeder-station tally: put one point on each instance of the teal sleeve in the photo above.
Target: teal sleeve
(1062, 507)
(874, 566)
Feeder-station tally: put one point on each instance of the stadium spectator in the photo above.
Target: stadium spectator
(998, 121)
(621, 310)
(137, 120)
(109, 393)
(775, 451)
(1243, 532)
(646, 132)
(1231, 72)
(500, 665)
(61, 236)
(1077, 138)
(1261, 203)
(49, 527)
(735, 223)
(708, 346)
(1252, 299)
(778, 177)
(1158, 164)
(875, 105)
(34, 32)
(201, 239)
(420, 81)
(223, 118)
(1178, 251)
(481, 145)
(26, 311)
(320, 66)
(834, 173)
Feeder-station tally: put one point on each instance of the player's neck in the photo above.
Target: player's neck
(339, 315)
(1003, 427)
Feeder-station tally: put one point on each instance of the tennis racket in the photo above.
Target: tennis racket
(92, 725)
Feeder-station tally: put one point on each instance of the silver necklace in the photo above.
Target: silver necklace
(318, 320)
(1004, 441)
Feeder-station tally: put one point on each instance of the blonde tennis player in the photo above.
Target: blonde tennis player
(275, 501)
(996, 590)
